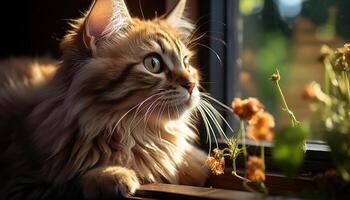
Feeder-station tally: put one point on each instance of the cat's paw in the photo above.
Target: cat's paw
(109, 182)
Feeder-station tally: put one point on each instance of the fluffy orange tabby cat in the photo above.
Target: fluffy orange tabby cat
(115, 113)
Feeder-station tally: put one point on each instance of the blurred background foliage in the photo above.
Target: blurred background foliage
(287, 34)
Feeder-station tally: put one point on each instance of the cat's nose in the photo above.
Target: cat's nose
(189, 86)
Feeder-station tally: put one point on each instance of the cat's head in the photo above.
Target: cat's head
(120, 62)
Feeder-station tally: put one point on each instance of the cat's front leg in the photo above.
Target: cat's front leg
(109, 182)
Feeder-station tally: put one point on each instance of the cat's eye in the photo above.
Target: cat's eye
(186, 61)
(153, 63)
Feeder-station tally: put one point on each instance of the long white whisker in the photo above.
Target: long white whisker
(216, 101)
(160, 113)
(177, 111)
(136, 106)
(215, 121)
(212, 50)
(208, 122)
(206, 128)
(152, 111)
(135, 114)
(216, 113)
(150, 107)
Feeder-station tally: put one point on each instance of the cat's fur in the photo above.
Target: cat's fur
(100, 124)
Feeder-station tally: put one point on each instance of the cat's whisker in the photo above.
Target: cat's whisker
(218, 114)
(123, 116)
(141, 119)
(200, 24)
(160, 113)
(192, 40)
(207, 122)
(177, 111)
(143, 16)
(148, 116)
(169, 117)
(215, 121)
(204, 38)
(216, 101)
(145, 107)
(206, 128)
(130, 110)
(150, 107)
(212, 50)
(131, 129)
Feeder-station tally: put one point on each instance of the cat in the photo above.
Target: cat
(117, 111)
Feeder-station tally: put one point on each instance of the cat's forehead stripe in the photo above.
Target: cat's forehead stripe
(170, 41)
(172, 48)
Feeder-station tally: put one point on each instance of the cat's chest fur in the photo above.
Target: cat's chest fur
(158, 154)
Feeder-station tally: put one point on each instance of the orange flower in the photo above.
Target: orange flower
(259, 127)
(256, 175)
(259, 134)
(255, 170)
(309, 91)
(254, 163)
(262, 120)
(247, 108)
(216, 162)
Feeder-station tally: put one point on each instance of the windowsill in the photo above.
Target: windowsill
(317, 160)
(167, 191)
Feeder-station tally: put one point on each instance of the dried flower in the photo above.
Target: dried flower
(275, 77)
(259, 134)
(254, 163)
(257, 175)
(259, 127)
(341, 59)
(216, 162)
(255, 170)
(216, 152)
(247, 108)
(326, 52)
(262, 120)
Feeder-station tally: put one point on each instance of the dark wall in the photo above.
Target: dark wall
(35, 27)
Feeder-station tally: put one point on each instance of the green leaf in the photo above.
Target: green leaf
(288, 150)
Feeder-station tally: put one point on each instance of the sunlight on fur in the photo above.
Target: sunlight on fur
(119, 109)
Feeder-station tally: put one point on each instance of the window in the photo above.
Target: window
(264, 35)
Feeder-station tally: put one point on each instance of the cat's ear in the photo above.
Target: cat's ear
(177, 18)
(105, 18)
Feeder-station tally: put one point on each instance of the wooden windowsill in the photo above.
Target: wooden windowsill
(167, 191)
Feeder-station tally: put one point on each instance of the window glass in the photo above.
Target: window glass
(288, 35)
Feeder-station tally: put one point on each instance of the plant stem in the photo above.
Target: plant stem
(234, 165)
(263, 187)
(291, 115)
(234, 172)
(243, 139)
(347, 84)
(262, 155)
(328, 68)
(247, 187)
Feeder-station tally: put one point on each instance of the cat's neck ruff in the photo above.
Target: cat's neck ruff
(157, 150)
